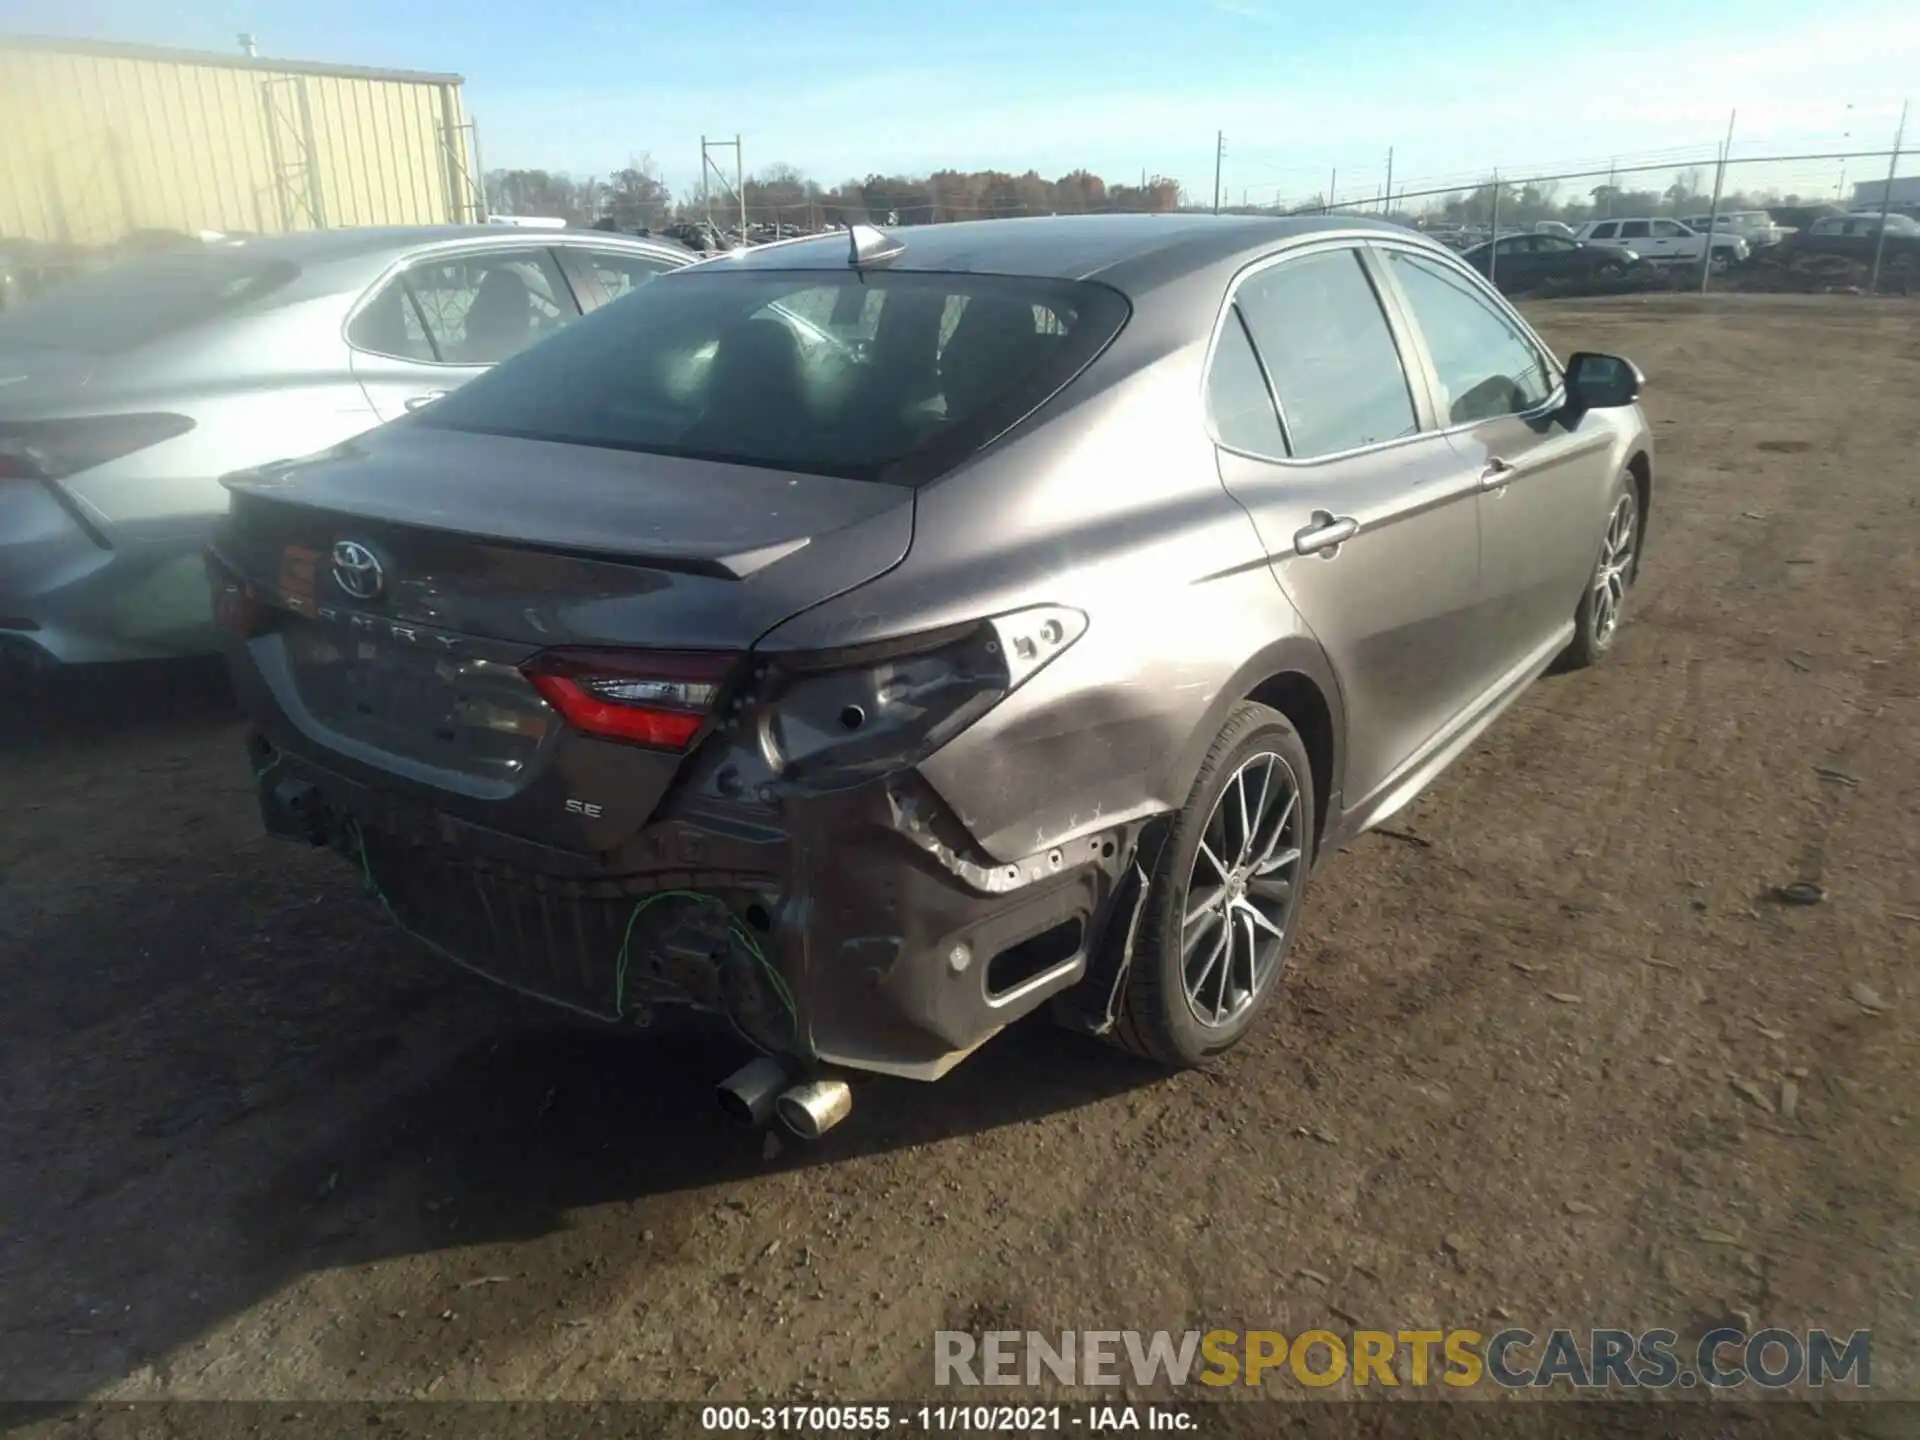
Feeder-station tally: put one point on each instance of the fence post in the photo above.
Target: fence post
(1713, 212)
(1886, 204)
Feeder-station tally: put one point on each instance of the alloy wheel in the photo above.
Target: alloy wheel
(1241, 891)
(1615, 570)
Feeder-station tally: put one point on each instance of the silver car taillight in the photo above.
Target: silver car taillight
(52, 449)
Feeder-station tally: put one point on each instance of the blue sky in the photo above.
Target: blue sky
(841, 87)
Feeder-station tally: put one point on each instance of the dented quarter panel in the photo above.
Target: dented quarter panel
(1119, 514)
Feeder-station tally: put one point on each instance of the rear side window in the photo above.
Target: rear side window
(1634, 230)
(141, 301)
(876, 375)
(1320, 331)
(1238, 401)
(1486, 365)
(466, 309)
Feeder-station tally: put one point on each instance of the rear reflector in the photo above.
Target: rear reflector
(657, 698)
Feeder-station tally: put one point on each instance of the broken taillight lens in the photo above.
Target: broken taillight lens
(236, 603)
(658, 698)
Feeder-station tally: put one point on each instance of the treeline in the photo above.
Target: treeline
(781, 195)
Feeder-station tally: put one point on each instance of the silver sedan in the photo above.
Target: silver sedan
(126, 394)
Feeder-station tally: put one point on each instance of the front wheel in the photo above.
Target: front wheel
(1225, 895)
(1596, 622)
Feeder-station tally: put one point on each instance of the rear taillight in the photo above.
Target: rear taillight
(51, 449)
(659, 698)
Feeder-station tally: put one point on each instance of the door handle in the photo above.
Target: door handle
(1497, 473)
(1326, 534)
(415, 402)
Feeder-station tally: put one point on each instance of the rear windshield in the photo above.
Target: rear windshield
(878, 375)
(141, 301)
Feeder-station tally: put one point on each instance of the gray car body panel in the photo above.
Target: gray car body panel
(1112, 499)
(110, 569)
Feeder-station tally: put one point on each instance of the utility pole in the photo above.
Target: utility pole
(1610, 169)
(738, 185)
(1333, 183)
(1886, 203)
(1219, 154)
(1388, 191)
(1713, 213)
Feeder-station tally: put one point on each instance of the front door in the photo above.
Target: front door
(1367, 519)
(1544, 484)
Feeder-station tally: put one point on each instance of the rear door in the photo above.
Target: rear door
(1543, 485)
(1366, 515)
(1677, 242)
(451, 315)
(1638, 236)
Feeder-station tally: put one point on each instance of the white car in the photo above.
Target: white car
(1663, 242)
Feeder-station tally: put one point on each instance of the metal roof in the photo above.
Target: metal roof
(166, 55)
(1129, 251)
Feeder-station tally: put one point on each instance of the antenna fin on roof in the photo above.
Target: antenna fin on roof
(869, 246)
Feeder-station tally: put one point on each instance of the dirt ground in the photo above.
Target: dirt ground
(1531, 1064)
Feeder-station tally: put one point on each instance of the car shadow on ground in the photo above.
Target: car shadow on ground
(100, 703)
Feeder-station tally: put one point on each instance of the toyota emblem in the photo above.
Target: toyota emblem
(356, 570)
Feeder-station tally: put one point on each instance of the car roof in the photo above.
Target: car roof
(309, 246)
(1133, 253)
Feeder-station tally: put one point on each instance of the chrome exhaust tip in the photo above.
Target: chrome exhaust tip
(813, 1107)
(748, 1094)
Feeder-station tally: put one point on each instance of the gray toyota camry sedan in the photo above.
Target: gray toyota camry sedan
(873, 638)
(125, 395)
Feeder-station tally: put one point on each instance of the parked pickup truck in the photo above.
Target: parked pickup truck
(1663, 242)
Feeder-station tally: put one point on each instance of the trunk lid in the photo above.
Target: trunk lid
(472, 553)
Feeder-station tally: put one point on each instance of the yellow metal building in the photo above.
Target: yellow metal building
(99, 140)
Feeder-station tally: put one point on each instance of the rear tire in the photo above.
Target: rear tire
(1596, 621)
(1224, 897)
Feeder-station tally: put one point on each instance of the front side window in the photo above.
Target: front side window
(1326, 345)
(1606, 230)
(892, 376)
(479, 309)
(622, 272)
(1487, 367)
(1669, 230)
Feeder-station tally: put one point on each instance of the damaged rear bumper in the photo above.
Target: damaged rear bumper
(857, 927)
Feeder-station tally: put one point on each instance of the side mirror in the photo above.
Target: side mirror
(1601, 382)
